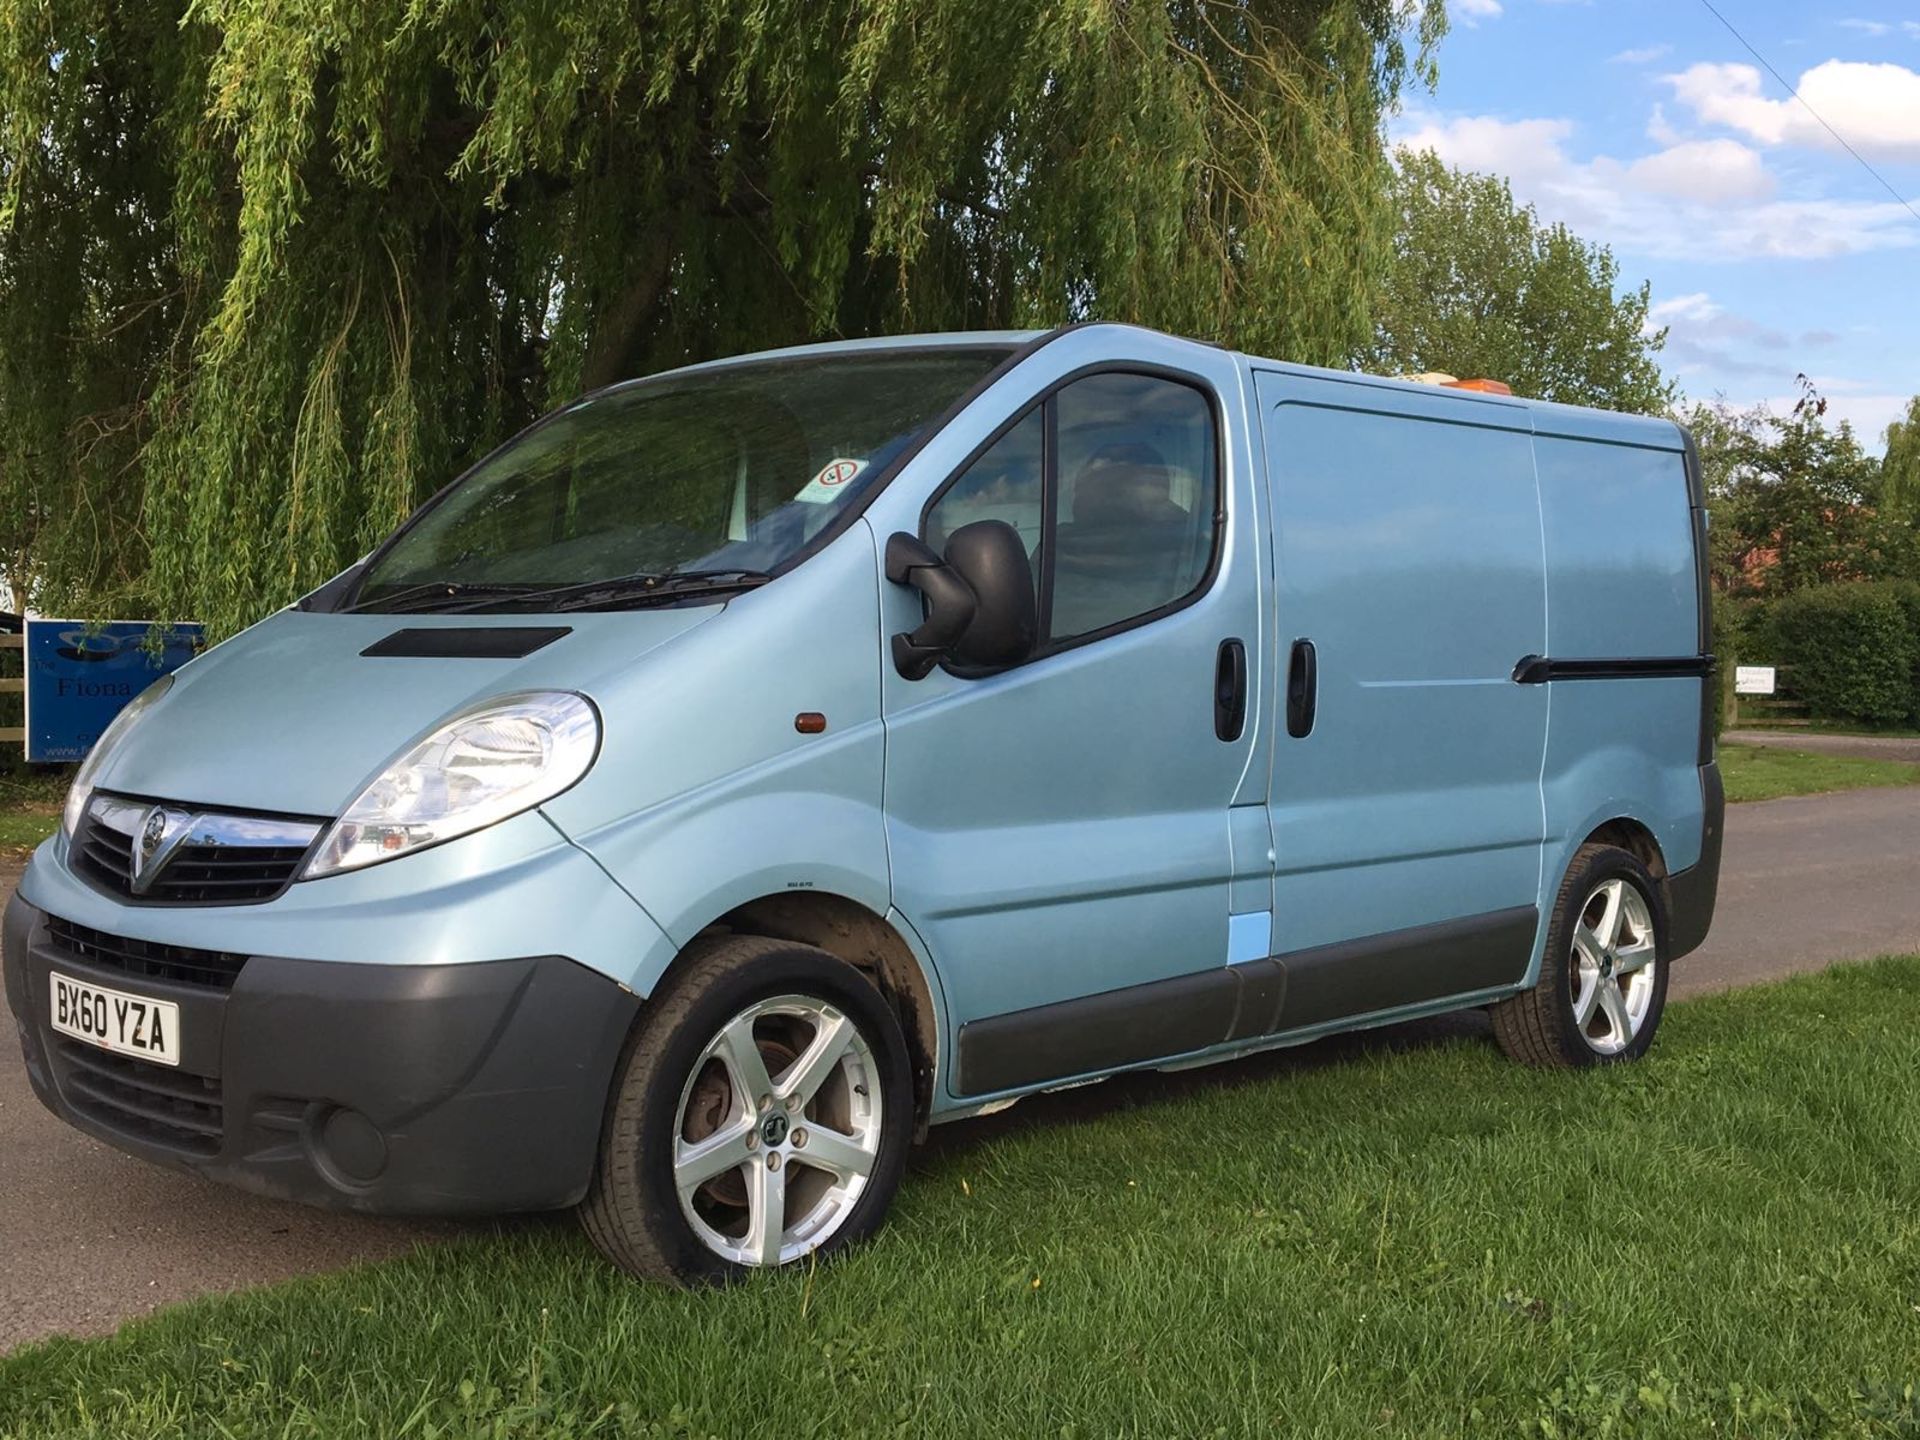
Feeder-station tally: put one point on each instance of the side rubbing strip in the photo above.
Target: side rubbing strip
(1098, 1032)
(1407, 967)
(1538, 669)
(469, 642)
(1164, 1018)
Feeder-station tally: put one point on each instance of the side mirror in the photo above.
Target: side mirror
(979, 599)
(992, 558)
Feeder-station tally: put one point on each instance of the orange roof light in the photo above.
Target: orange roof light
(1485, 387)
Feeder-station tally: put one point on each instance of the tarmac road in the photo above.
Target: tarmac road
(93, 1238)
(90, 1238)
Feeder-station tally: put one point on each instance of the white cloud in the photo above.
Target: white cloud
(1517, 149)
(1712, 200)
(1697, 306)
(1709, 171)
(1876, 106)
(1474, 11)
(1881, 28)
(1870, 415)
(1644, 55)
(1704, 338)
(1703, 354)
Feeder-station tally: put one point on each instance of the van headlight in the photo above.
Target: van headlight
(504, 756)
(81, 791)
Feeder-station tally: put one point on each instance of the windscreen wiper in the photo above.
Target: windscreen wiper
(430, 594)
(640, 588)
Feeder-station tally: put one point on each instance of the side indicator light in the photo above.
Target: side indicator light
(810, 722)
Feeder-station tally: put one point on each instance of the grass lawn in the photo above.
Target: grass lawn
(1757, 772)
(29, 810)
(1838, 727)
(1361, 1238)
(22, 828)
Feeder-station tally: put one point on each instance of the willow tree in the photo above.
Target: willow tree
(270, 270)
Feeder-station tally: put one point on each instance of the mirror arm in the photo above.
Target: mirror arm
(950, 605)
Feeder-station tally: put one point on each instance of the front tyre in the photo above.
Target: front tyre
(761, 1115)
(1603, 978)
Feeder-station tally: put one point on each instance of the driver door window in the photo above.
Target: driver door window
(1006, 482)
(1113, 482)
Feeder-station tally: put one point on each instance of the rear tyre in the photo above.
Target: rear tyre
(1603, 978)
(761, 1115)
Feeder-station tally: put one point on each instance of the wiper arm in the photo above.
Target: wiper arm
(639, 588)
(428, 595)
(642, 589)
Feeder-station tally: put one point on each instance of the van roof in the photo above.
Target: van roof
(1549, 417)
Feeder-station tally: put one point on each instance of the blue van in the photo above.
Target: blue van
(750, 766)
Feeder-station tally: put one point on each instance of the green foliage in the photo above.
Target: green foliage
(1479, 287)
(1794, 502)
(1900, 470)
(1734, 623)
(1850, 651)
(1906, 594)
(270, 272)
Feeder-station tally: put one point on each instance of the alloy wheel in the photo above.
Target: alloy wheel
(1615, 962)
(777, 1131)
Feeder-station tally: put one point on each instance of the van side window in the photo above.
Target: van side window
(1114, 484)
(1007, 482)
(1138, 490)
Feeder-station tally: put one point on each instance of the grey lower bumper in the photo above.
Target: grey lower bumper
(442, 1089)
(1691, 893)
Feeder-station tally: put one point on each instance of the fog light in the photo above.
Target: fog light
(349, 1143)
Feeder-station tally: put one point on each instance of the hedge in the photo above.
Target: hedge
(1851, 651)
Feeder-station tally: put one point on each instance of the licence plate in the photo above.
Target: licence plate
(114, 1020)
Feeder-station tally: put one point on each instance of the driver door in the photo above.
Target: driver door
(1060, 831)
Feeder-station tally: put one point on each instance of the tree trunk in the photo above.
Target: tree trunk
(619, 326)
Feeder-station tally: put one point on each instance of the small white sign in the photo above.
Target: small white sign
(1753, 679)
(831, 482)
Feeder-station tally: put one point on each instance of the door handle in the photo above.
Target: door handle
(1230, 691)
(1303, 689)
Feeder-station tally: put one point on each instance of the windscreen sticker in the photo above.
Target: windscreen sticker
(831, 482)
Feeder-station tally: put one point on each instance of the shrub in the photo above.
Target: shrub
(1849, 651)
(1734, 622)
(1907, 592)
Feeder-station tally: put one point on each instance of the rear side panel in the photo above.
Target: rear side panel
(1622, 586)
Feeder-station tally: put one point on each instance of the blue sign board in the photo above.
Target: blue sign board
(79, 676)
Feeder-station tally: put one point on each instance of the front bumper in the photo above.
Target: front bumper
(433, 1088)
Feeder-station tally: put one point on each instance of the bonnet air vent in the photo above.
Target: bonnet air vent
(473, 642)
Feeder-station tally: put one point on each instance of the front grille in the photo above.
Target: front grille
(224, 860)
(143, 1101)
(146, 959)
(104, 855)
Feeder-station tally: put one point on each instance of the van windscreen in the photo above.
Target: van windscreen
(712, 479)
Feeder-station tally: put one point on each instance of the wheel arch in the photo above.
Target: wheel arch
(872, 944)
(1625, 832)
(1628, 834)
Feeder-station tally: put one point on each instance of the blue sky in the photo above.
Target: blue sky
(1645, 125)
